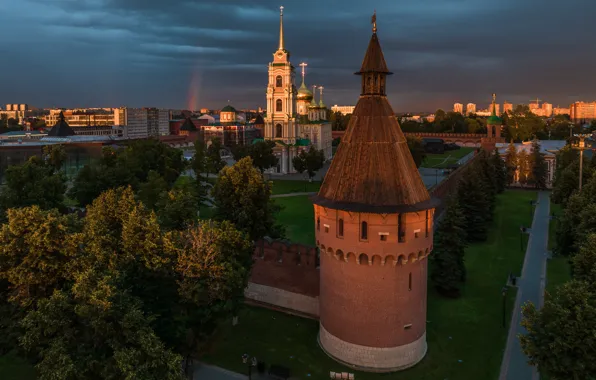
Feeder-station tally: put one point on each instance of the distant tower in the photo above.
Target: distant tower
(304, 95)
(280, 122)
(373, 218)
(493, 128)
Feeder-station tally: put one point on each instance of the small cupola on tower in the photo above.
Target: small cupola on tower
(227, 114)
(374, 69)
(304, 96)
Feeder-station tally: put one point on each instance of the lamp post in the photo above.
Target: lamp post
(581, 146)
(504, 293)
(251, 362)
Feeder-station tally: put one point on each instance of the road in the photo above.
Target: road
(531, 288)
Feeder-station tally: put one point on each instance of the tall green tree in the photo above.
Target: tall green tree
(260, 152)
(310, 161)
(448, 270)
(177, 209)
(55, 156)
(584, 262)
(150, 192)
(561, 336)
(475, 205)
(242, 196)
(96, 331)
(214, 161)
(36, 251)
(524, 167)
(500, 171)
(199, 167)
(33, 183)
(539, 170)
(511, 163)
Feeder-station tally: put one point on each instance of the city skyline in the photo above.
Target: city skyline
(96, 53)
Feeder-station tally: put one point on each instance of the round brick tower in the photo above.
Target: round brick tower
(373, 222)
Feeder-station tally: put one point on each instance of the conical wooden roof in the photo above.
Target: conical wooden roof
(61, 129)
(373, 169)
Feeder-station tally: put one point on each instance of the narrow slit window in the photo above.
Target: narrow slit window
(318, 224)
(410, 281)
(364, 231)
(340, 228)
(401, 228)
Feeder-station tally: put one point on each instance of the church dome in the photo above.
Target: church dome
(494, 120)
(304, 93)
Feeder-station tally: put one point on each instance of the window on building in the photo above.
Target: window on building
(340, 228)
(326, 229)
(278, 81)
(318, 224)
(278, 105)
(278, 130)
(401, 228)
(364, 231)
(383, 237)
(410, 281)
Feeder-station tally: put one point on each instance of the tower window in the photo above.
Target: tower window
(401, 228)
(278, 130)
(278, 81)
(340, 228)
(278, 105)
(410, 281)
(318, 224)
(364, 231)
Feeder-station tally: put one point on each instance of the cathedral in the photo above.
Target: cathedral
(294, 119)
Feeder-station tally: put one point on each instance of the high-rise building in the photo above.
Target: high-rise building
(83, 117)
(582, 111)
(497, 108)
(458, 107)
(560, 111)
(507, 107)
(143, 122)
(470, 108)
(547, 109)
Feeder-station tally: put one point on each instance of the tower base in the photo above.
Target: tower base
(372, 359)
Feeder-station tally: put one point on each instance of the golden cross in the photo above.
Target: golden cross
(374, 21)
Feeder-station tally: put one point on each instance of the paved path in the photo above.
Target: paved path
(531, 288)
(209, 372)
(292, 194)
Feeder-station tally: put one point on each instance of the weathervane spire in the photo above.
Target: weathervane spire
(281, 28)
(494, 107)
(374, 21)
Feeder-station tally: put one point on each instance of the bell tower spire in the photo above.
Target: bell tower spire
(281, 28)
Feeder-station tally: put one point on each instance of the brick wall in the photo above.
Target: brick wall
(286, 276)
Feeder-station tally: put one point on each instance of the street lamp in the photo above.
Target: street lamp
(251, 362)
(581, 146)
(504, 293)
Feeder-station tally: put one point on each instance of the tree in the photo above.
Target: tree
(3, 122)
(584, 262)
(511, 163)
(500, 169)
(539, 169)
(310, 161)
(36, 248)
(472, 198)
(440, 115)
(150, 192)
(176, 209)
(55, 155)
(143, 156)
(33, 183)
(261, 153)
(416, 149)
(96, 330)
(199, 166)
(524, 167)
(561, 336)
(448, 269)
(242, 196)
(213, 157)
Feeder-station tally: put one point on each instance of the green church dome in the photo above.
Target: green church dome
(494, 120)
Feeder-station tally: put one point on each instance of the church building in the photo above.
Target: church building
(294, 120)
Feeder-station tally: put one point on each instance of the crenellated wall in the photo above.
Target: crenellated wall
(285, 276)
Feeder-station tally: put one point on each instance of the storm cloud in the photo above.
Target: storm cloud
(202, 53)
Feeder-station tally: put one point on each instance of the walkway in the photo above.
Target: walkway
(209, 372)
(531, 288)
(292, 194)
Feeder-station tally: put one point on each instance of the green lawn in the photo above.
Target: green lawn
(465, 336)
(298, 218)
(14, 368)
(558, 270)
(448, 158)
(285, 186)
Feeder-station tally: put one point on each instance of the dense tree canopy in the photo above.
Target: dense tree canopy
(310, 161)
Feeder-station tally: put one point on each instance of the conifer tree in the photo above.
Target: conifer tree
(447, 269)
(474, 204)
(539, 169)
(500, 171)
(511, 163)
(524, 167)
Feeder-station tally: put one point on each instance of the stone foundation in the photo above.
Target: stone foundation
(283, 298)
(372, 359)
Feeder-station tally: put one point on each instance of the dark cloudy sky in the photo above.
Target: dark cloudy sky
(181, 53)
